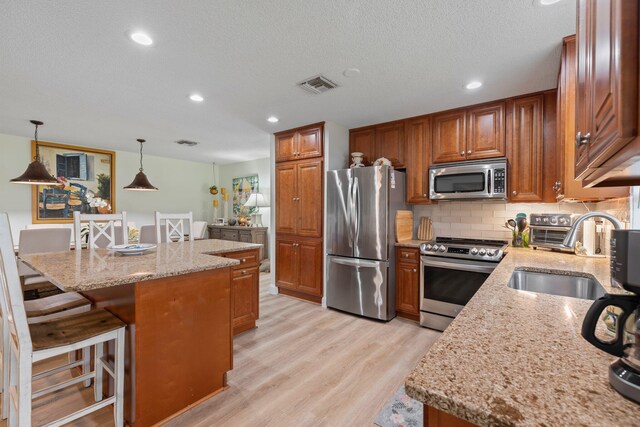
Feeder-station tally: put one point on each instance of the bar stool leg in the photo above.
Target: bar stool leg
(97, 365)
(6, 370)
(86, 364)
(118, 369)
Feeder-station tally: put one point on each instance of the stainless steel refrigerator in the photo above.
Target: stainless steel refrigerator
(361, 210)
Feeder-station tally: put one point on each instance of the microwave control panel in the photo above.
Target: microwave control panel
(499, 181)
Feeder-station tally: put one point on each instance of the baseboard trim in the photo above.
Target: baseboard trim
(273, 289)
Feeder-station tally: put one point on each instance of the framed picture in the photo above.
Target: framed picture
(242, 189)
(89, 178)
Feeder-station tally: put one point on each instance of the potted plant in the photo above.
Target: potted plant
(213, 189)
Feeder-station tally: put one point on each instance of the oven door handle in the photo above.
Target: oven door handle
(462, 266)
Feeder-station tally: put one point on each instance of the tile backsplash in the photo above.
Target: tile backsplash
(485, 219)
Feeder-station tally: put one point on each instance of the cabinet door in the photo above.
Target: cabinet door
(244, 291)
(310, 267)
(583, 89)
(485, 131)
(390, 143)
(363, 141)
(286, 264)
(309, 198)
(418, 159)
(310, 143)
(286, 203)
(286, 146)
(449, 136)
(407, 288)
(525, 142)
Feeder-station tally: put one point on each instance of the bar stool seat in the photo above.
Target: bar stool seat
(68, 303)
(73, 329)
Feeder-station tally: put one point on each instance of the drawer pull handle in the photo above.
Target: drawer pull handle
(244, 260)
(245, 271)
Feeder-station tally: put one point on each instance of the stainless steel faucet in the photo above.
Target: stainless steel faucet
(570, 239)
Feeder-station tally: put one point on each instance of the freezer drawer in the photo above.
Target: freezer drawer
(361, 287)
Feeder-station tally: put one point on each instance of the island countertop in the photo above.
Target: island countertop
(85, 270)
(517, 358)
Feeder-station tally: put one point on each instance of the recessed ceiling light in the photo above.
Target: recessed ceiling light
(273, 119)
(351, 72)
(473, 85)
(548, 2)
(141, 38)
(196, 98)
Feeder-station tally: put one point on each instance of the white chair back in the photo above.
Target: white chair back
(175, 226)
(199, 230)
(37, 226)
(42, 240)
(12, 302)
(148, 234)
(102, 229)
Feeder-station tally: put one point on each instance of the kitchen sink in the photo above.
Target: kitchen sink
(556, 284)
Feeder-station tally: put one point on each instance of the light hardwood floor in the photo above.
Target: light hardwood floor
(303, 366)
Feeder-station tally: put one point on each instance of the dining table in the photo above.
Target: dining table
(176, 302)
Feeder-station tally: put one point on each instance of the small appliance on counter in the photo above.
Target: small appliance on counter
(549, 230)
(624, 342)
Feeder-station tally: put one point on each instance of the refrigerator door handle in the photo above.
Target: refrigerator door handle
(356, 208)
(350, 213)
(356, 262)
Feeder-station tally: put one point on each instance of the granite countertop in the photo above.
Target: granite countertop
(410, 243)
(84, 270)
(513, 358)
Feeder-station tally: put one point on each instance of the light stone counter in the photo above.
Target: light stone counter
(517, 358)
(410, 243)
(100, 268)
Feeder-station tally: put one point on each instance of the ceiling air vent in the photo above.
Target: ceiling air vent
(187, 142)
(317, 84)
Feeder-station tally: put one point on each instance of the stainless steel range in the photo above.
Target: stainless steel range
(451, 272)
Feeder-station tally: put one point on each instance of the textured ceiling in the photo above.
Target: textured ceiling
(70, 64)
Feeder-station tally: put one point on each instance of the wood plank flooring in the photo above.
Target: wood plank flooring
(303, 366)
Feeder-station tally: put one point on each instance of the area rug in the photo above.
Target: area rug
(400, 411)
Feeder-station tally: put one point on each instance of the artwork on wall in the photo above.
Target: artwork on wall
(88, 175)
(242, 189)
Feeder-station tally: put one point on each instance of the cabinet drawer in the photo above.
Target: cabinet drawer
(408, 255)
(246, 258)
(215, 233)
(230, 235)
(245, 236)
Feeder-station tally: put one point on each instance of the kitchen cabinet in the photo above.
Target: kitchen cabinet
(607, 93)
(299, 267)
(300, 143)
(408, 282)
(390, 143)
(242, 234)
(363, 141)
(485, 131)
(433, 417)
(299, 198)
(449, 136)
(418, 159)
(566, 187)
(245, 289)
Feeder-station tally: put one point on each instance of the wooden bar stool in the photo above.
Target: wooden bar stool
(103, 230)
(175, 229)
(28, 344)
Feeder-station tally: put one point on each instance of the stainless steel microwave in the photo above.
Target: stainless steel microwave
(479, 179)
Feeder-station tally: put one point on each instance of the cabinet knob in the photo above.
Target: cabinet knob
(514, 192)
(244, 271)
(244, 260)
(414, 270)
(469, 152)
(582, 139)
(424, 195)
(462, 153)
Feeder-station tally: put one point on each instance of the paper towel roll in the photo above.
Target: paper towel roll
(589, 236)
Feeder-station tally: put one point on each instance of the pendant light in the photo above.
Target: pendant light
(36, 173)
(140, 182)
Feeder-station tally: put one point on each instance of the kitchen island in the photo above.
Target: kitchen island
(177, 303)
(514, 358)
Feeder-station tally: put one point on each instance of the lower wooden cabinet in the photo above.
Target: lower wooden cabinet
(433, 417)
(245, 289)
(299, 267)
(408, 282)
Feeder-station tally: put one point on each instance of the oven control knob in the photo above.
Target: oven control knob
(545, 219)
(563, 221)
(554, 220)
(491, 252)
(482, 252)
(474, 251)
(442, 248)
(427, 247)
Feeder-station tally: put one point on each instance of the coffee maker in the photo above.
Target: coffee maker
(623, 315)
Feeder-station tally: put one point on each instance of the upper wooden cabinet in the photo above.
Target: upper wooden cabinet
(566, 186)
(525, 135)
(607, 92)
(449, 136)
(299, 198)
(418, 159)
(299, 143)
(363, 141)
(390, 143)
(469, 134)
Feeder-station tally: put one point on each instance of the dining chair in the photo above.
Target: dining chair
(26, 344)
(102, 229)
(148, 234)
(40, 240)
(199, 230)
(175, 226)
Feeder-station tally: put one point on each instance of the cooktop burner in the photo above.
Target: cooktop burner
(473, 249)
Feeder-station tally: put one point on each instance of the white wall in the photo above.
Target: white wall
(183, 185)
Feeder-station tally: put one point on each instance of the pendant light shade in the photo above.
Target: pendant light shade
(36, 173)
(140, 182)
